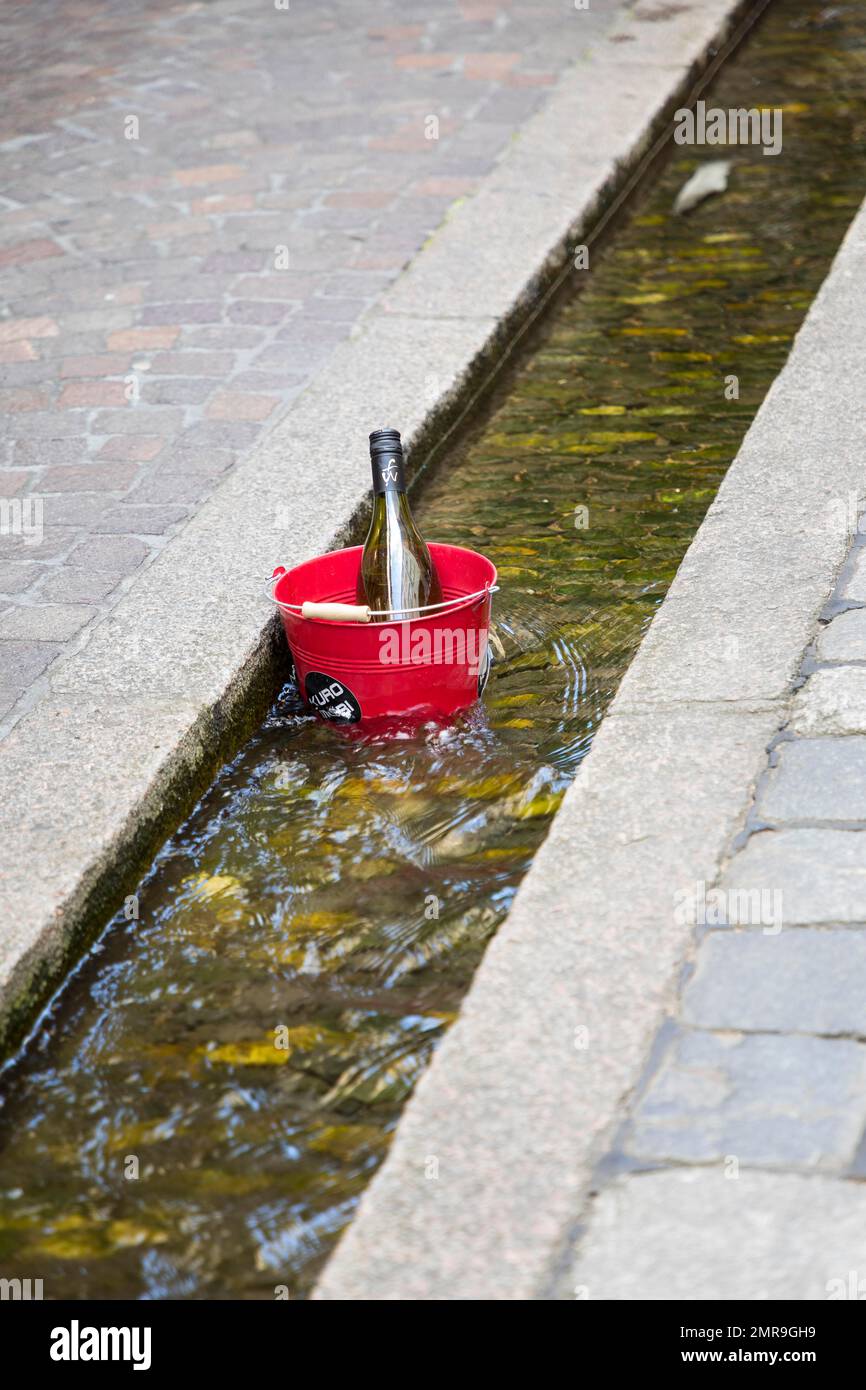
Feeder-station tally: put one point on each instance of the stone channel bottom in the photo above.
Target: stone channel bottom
(739, 1173)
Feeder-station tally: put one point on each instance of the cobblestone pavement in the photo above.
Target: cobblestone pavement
(198, 202)
(775, 1011)
(762, 1077)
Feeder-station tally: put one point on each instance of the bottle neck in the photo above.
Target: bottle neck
(388, 473)
(391, 512)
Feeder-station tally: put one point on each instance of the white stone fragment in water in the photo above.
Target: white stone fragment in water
(708, 178)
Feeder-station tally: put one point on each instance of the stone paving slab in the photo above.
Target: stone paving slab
(816, 779)
(833, 701)
(844, 639)
(698, 1234)
(819, 873)
(853, 588)
(803, 981)
(768, 1100)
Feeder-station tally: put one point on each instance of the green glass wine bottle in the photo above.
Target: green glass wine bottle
(397, 574)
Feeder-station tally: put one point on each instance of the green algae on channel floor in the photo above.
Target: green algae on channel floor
(201, 1110)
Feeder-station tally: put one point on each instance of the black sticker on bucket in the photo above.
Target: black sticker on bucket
(331, 699)
(484, 669)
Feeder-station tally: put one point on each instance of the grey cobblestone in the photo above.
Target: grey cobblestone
(817, 779)
(169, 488)
(22, 662)
(90, 477)
(219, 434)
(764, 1099)
(40, 424)
(47, 451)
(821, 874)
(76, 586)
(853, 587)
(55, 544)
(78, 509)
(844, 639)
(176, 391)
(693, 1233)
(47, 623)
(833, 701)
(117, 555)
(15, 578)
(799, 981)
(8, 698)
(160, 421)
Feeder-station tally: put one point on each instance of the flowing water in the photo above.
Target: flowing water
(336, 896)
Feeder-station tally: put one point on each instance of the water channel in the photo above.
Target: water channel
(154, 1142)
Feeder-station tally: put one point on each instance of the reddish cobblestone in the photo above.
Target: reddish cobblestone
(17, 352)
(15, 480)
(98, 365)
(248, 311)
(125, 294)
(210, 173)
(12, 330)
(26, 251)
(142, 338)
(529, 79)
(414, 61)
(91, 477)
(480, 11)
(236, 405)
(133, 448)
(489, 67)
(91, 393)
(361, 199)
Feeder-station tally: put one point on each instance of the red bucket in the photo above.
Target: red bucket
(426, 666)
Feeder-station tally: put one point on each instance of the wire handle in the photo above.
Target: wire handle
(353, 613)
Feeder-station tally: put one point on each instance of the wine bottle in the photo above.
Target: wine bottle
(397, 573)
